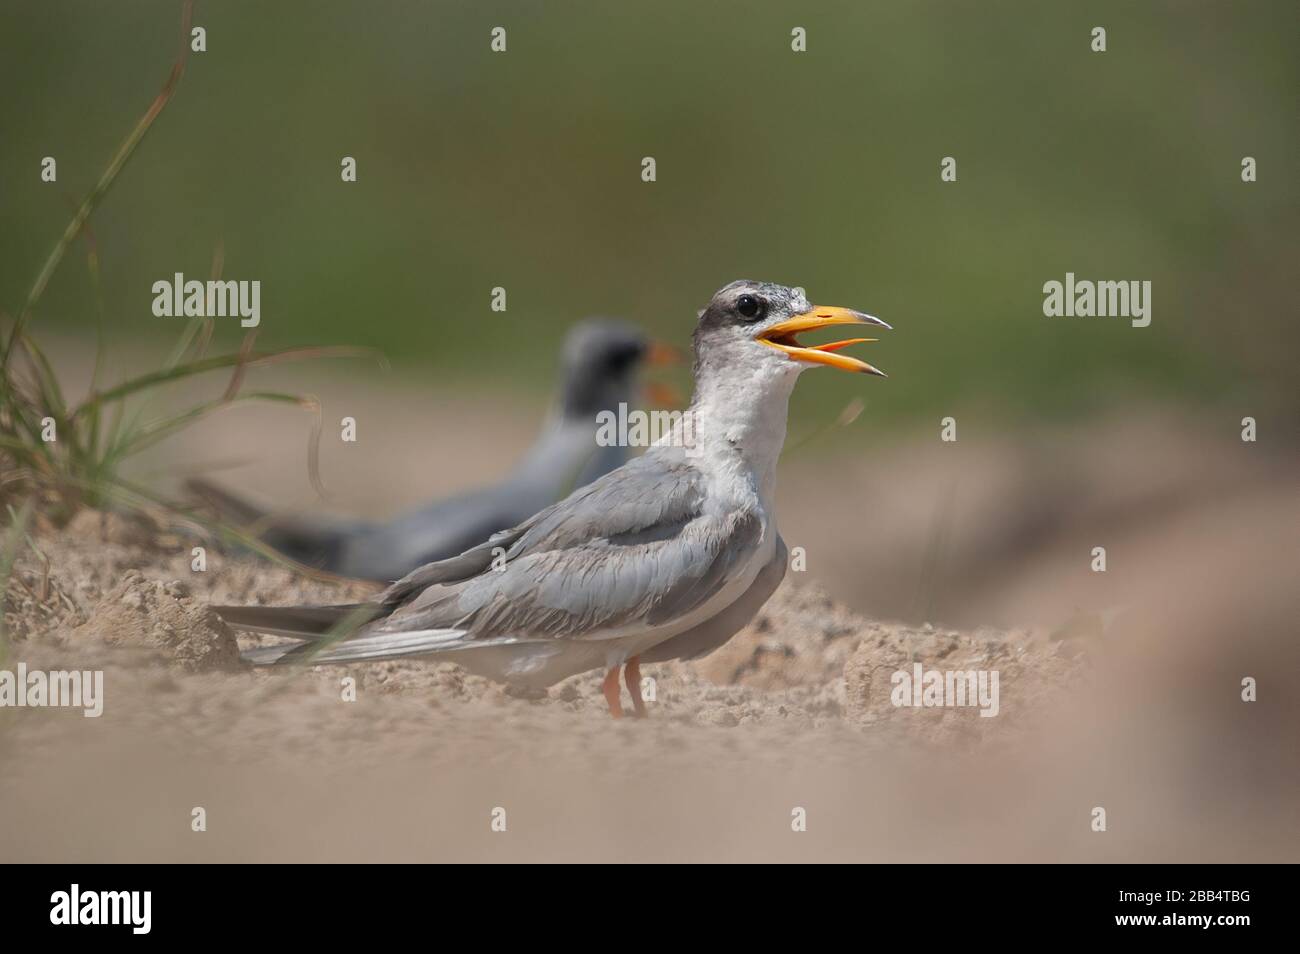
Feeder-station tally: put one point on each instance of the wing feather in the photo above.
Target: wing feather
(635, 548)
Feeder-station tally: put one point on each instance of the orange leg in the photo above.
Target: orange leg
(632, 675)
(611, 693)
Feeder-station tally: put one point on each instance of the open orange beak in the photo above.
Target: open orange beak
(784, 337)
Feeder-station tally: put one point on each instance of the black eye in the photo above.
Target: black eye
(751, 307)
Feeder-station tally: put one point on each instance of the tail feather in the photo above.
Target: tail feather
(313, 624)
(302, 622)
(233, 508)
(311, 541)
(268, 655)
(376, 646)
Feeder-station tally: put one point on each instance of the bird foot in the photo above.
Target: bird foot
(632, 676)
(610, 687)
(611, 690)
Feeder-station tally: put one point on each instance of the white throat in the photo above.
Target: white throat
(739, 420)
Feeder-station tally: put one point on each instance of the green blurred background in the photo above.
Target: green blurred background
(819, 169)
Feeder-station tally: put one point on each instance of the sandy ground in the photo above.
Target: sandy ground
(795, 713)
(1119, 690)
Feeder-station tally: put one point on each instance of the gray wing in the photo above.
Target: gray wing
(704, 638)
(565, 457)
(636, 547)
(437, 532)
(635, 550)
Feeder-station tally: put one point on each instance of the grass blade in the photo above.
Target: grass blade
(257, 359)
(149, 434)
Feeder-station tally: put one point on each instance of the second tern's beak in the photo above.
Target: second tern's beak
(659, 355)
(783, 337)
(660, 393)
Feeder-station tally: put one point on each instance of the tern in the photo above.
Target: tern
(600, 360)
(666, 557)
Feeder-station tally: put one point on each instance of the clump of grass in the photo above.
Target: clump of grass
(93, 438)
(11, 543)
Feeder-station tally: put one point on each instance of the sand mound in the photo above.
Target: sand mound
(801, 637)
(893, 663)
(164, 620)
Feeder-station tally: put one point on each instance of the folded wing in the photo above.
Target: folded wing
(633, 551)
